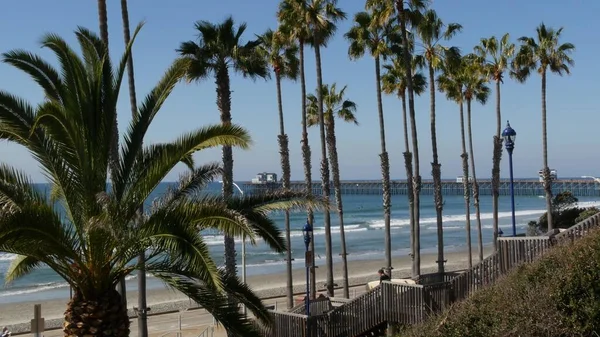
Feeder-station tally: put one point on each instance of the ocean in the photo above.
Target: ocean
(363, 219)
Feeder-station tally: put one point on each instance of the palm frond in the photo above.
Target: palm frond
(19, 267)
(156, 161)
(136, 132)
(216, 303)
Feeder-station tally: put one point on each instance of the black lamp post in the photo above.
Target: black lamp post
(509, 135)
(307, 232)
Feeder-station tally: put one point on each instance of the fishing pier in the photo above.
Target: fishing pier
(523, 187)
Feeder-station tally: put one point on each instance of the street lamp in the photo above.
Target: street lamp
(307, 232)
(243, 243)
(509, 135)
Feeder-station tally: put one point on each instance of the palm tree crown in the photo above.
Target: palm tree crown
(220, 47)
(495, 56)
(544, 53)
(394, 80)
(475, 80)
(431, 30)
(281, 53)
(336, 105)
(368, 35)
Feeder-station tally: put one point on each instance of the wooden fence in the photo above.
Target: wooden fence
(412, 303)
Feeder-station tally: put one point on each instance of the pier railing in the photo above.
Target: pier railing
(412, 303)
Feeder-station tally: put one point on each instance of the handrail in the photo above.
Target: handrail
(205, 332)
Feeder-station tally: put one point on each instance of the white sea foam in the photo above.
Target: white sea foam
(378, 224)
(33, 289)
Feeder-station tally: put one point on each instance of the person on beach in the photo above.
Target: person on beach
(5, 332)
(383, 276)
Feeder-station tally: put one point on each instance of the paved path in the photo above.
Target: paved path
(193, 322)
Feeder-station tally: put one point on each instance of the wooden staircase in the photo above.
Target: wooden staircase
(405, 304)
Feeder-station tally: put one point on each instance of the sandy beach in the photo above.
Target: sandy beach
(18, 315)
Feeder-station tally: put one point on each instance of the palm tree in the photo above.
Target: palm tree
(394, 82)
(431, 30)
(142, 310)
(218, 50)
(451, 82)
(369, 34)
(318, 26)
(545, 53)
(336, 105)
(322, 15)
(408, 17)
(103, 22)
(475, 87)
(495, 57)
(282, 55)
(297, 31)
(88, 240)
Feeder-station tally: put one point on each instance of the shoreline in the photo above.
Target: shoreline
(17, 316)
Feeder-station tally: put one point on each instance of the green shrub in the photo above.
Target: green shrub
(564, 214)
(558, 295)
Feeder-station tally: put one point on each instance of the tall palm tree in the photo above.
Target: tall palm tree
(142, 310)
(336, 105)
(431, 30)
(220, 49)
(475, 88)
(451, 82)
(88, 241)
(297, 31)
(542, 53)
(369, 34)
(408, 18)
(103, 23)
(495, 56)
(282, 55)
(394, 82)
(319, 18)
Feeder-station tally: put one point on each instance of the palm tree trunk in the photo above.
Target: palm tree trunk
(285, 168)
(114, 148)
(385, 173)
(409, 175)
(142, 314)
(337, 187)
(114, 152)
(103, 20)
(324, 176)
(436, 172)
(475, 185)
(466, 190)
(224, 105)
(546, 169)
(497, 156)
(108, 312)
(416, 182)
(307, 166)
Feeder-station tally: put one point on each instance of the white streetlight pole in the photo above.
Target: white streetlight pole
(243, 245)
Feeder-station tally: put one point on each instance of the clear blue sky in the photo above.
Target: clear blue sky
(573, 117)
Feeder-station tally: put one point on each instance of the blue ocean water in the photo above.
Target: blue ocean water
(363, 219)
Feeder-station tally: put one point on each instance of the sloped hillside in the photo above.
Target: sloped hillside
(559, 295)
